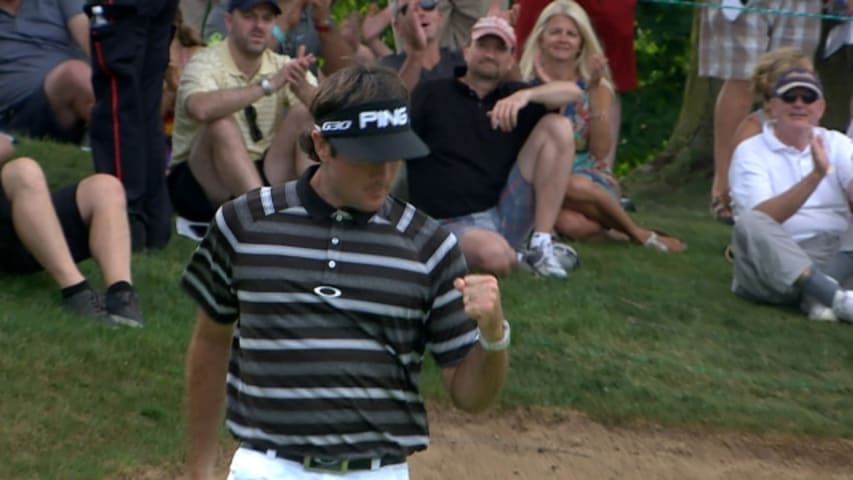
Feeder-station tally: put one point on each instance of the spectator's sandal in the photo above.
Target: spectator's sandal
(729, 253)
(655, 243)
(722, 211)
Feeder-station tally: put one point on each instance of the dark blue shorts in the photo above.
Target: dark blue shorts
(34, 117)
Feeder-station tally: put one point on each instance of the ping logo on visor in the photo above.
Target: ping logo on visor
(372, 132)
(368, 119)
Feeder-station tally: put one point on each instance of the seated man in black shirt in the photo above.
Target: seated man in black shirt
(499, 161)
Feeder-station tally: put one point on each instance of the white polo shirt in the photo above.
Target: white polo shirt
(763, 168)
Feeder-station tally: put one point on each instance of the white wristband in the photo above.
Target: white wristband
(502, 344)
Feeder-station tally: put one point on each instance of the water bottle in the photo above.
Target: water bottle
(98, 18)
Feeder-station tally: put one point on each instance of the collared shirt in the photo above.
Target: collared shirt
(763, 167)
(212, 69)
(32, 43)
(336, 309)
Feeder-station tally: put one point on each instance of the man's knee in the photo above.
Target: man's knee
(555, 127)
(490, 255)
(101, 189)
(219, 136)
(69, 76)
(22, 174)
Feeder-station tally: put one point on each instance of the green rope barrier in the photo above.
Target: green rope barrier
(744, 8)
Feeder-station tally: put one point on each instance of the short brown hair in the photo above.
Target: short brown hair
(350, 86)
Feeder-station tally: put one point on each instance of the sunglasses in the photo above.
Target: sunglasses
(808, 97)
(252, 119)
(426, 5)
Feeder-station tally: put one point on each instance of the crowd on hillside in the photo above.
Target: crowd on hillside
(283, 133)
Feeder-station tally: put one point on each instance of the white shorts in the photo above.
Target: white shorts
(249, 464)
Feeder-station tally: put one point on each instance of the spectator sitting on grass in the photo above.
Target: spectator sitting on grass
(791, 187)
(509, 174)
(768, 68)
(45, 77)
(563, 47)
(240, 108)
(40, 229)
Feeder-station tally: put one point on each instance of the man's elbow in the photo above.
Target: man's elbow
(474, 408)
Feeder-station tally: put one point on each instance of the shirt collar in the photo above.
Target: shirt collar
(773, 142)
(268, 65)
(319, 209)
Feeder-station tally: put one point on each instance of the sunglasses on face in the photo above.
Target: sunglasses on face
(252, 119)
(426, 5)
(808, 97)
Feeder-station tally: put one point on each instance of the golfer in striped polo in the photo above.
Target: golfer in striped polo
(318, 299)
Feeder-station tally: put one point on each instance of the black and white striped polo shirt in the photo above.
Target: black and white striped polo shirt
(335, 311)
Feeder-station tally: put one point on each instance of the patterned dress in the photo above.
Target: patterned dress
(585, 163)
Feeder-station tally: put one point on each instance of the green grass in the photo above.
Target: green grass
(633, 336)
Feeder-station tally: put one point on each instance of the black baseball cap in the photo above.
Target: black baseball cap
(373, 132)
(246, 5)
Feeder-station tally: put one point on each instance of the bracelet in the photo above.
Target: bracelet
(498, 346)
(324, 27)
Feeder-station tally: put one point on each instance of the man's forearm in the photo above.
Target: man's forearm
(207, 365)
(784, 206)
(555, 94)
(335, 50)
(305, 93)
(206, 107)
(478, 379)
(410, 71)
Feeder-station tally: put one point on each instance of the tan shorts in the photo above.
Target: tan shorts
(728, 50)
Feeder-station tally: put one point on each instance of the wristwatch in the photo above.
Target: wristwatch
(501, 344)
(266, 86)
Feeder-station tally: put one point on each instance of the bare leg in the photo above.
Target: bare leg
(220, 162)
(487, 251)
(593, 201)
(69, 90)
(733, 104)
(36, 222)
(101, 202)
(546, 162)
(285, 160)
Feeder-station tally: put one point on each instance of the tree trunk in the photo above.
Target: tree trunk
(689, 148)
(835, 73)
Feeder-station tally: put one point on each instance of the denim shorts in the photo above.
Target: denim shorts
(512, 217)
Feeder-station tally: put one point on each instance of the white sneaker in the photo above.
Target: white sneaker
(567, 256)
(542, 261)
(817, 311)
(822, 313)
(842, 305)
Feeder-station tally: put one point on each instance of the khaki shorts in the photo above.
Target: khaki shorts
(728, 50)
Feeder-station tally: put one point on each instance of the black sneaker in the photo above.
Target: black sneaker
(87, 303)
(123, 308)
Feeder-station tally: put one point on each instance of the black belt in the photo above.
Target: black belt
(327, 464)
